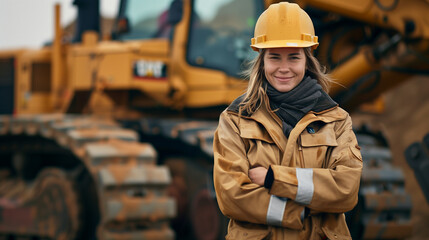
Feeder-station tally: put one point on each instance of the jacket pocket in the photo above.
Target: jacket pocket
(242, 230)
(252, 130)
(260, 147)
(324, 137)
(315, 146)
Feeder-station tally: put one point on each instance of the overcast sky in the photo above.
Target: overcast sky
(30, 23)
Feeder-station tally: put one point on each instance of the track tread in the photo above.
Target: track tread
(131, 189)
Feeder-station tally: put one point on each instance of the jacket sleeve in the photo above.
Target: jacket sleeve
(237, 196)
(332, 189)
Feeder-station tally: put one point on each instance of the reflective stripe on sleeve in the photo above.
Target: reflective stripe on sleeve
(276, 210)
(305, 191)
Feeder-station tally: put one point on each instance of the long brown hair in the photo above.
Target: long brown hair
(255, 73)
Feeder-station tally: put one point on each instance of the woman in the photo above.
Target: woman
(287, 164)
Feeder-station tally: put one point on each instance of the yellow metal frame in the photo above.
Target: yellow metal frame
(106, 66)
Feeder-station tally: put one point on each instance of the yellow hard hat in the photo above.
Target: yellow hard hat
(284, 25)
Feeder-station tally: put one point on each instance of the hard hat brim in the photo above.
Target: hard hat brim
(283, 43)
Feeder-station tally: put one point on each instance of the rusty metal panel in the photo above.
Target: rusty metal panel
(78, 137)
(119, 151)
(129, 175)
(123, 208)
(70, 123)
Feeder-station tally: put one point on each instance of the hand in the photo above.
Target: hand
(257, 175)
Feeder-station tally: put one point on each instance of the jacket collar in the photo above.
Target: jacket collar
(272, 123)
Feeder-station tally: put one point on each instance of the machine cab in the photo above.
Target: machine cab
(208, 43)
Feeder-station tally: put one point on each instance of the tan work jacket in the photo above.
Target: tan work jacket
(318, 168)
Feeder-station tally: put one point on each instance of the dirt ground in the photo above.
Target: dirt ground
(404, 121)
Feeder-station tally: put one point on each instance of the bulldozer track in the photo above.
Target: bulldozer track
(384, 207)
(67, 174)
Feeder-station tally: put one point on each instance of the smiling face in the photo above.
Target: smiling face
(284, 67)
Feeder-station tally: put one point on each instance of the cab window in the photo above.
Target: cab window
(142, 19)
(220, 33)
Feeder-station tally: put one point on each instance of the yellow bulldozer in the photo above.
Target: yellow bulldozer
(110, 137)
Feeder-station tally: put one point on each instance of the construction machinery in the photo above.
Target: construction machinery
(112, 138)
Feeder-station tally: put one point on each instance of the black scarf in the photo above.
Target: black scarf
(293, 105)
